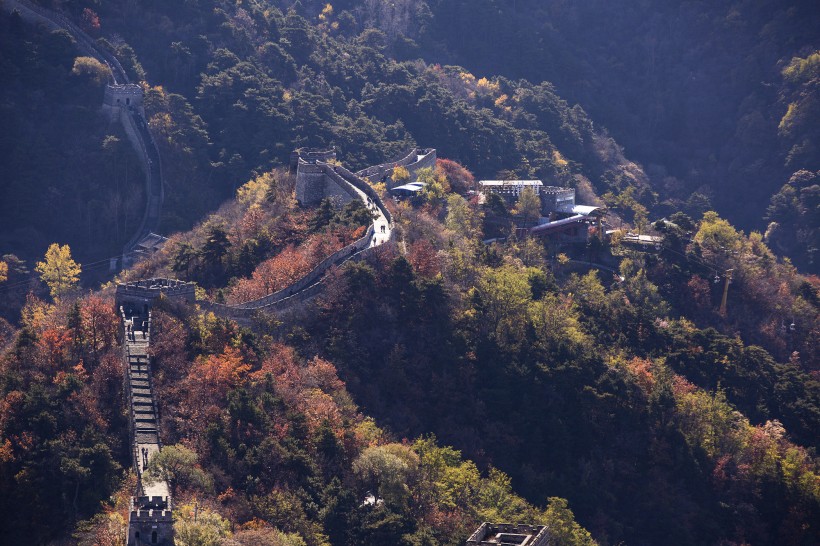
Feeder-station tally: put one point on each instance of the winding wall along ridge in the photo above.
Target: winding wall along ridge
(38, 14)
(133, 122)
(309, 285)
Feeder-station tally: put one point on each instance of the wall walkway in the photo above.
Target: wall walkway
(379, 233)
(150, 520)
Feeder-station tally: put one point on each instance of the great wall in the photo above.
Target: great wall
(150, 517)
(318, 177)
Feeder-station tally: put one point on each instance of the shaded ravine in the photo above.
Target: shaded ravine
(132, 119)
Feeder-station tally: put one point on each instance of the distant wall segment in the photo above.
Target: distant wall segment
(122, 101)
(417, 159)
(35, 14)
(317, 179)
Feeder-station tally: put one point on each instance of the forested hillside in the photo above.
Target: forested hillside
(233, 89)
(600, 389)
(717, 100)
(66, 170)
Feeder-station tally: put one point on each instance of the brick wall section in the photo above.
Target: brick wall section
(281, 301)
(150, 518)
(136, 127)
(310, 183)
(315, 181)
(310, 155)
(418, 158)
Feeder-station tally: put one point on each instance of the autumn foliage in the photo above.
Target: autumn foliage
(291, 264)
(61, 417)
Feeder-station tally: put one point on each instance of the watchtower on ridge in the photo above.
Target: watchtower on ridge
(141, 294)
(119, 96)
(318, 176)
(509, 534)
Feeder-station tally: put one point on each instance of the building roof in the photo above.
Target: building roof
(557, 224)
(585, 210)
(151, 242)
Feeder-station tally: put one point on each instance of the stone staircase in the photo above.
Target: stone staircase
(143, 407)
(151, 519)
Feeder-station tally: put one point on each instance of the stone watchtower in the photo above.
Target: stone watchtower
(140, 295)
(119, 96)
(510, 534)
(310, 166)
(312, 155)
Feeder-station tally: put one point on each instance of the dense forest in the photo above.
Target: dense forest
(717, 100)
(704, 139)
(443, 381)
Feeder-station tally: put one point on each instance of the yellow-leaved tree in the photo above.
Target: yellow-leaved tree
(59, 271)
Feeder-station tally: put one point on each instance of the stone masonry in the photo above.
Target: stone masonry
(313, 182)
(150, 520)
(319, 180)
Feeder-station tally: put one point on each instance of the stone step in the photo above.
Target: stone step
(146, 438)
(147, 430)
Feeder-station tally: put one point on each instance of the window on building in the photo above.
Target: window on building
(153, 537)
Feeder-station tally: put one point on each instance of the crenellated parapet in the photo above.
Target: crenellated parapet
(316, 174)
(316, 181)
(311, 155)
(497, 534)
(417, 159)
(141, 294)
(150, 523)
(122, 96)
(150, 520)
